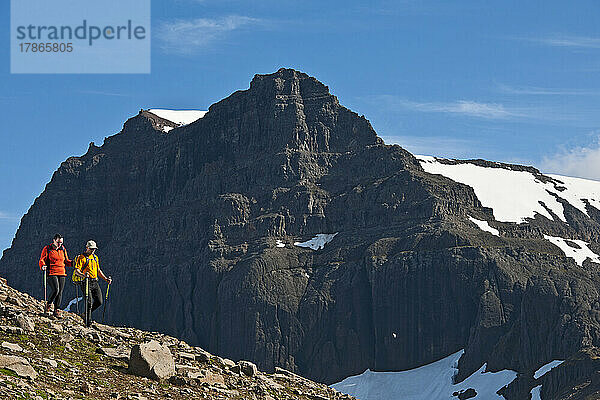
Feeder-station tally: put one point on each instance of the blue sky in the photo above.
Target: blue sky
(506, 80)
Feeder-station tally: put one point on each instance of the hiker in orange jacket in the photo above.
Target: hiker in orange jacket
(53, 261)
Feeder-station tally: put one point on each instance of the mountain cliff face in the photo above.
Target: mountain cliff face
(198, 228)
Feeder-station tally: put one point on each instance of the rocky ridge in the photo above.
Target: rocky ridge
(51, 358)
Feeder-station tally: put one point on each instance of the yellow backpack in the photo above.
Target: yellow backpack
(77, 279)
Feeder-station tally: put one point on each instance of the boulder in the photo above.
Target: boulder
(152, 360)
(12, 346)
(18, 365)
(248, 368)
(25, 323)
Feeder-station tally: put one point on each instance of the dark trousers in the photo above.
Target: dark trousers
(57, 283)
(94, 299)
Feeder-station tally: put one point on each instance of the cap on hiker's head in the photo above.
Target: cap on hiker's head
(91, 244)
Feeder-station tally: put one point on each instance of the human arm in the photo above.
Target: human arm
(79, 273)
(101, 275)
(68, 262)
(43, 257)
(77, 264)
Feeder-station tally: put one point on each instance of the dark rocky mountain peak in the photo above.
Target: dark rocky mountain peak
(145, 118)
(286, 110)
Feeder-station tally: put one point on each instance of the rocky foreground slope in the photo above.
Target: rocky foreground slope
(200, 227)
(48, 358)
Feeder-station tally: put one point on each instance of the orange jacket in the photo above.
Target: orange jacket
(55, 260)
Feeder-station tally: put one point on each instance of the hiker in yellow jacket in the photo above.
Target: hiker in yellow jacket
(87, 266)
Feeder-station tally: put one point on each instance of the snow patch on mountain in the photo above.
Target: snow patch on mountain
(279, 243)
(545, 368)
(485, 226)
(318, 242)
(75, 300)
(179, 117)
(431, 381)
(535, 393)
(576, 249)
(578, 189)
(515, 196)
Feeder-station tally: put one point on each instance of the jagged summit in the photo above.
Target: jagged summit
(145, 120)
(282, 111)
(285, 110)
(290, 82)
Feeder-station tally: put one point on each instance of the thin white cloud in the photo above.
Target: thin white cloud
(100, 93)
(533, 90)
(186, 36)
(452, 147)
(462, 107)
(581, 42)
(7, 217)
(519, 111)
(582, 162)
(441, 146)
(472, 108)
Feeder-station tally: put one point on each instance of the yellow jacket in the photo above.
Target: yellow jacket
(86, 264)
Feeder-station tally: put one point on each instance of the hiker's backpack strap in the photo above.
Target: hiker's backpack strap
(64, 253)
(87, 262)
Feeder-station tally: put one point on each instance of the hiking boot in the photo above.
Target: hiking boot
(47, 308)
(58, 314)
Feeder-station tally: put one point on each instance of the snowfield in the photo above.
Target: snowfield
(179, 117)
(431, 381)
(75, 300)
(485, 226)
(579, 253)
(516, 195)
(542, 370)
(318, 242)
(535, 392)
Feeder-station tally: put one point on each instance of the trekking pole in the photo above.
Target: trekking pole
(77, 296)
(45, 298)
(105, 301)
(87, 291)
